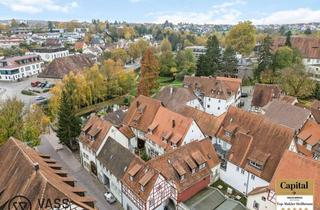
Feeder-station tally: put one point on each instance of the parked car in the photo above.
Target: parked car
(244, 95)
(40, 98)
(35, 83)
(109, 197)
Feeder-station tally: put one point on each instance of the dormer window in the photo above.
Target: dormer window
(202, 166)
(193, 171)
(142, 188)
(227, 133)
(182, 177)
(256, 165)
(131, 178)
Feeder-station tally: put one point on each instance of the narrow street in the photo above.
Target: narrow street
(70, 164)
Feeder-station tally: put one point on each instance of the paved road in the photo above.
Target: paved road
(13, 89)
(68, 161)
(247, 100)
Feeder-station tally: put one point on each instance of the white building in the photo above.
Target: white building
(216, 94)
(49, 54)
(113, 161)
(250, 148)
(197, 50)
(92, 138)
(170, 130)
(15, 68)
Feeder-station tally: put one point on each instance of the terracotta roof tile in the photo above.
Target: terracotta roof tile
(19, 177)
(255, 133)
(209, 124)
(96, 127)
(315, 110)
(141, 113)
(264, 93)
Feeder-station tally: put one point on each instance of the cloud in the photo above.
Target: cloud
(224, 13)
(37, 6)
(300, 15)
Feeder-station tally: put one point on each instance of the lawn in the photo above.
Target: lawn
(225, 186)
(165, 81)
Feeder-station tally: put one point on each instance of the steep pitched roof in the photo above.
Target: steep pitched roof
(264, 93)
(214, 87)
(115, 117)
(295, 166)
(126, 130)
(315, 110)
(141, 112)
(209, 124)
(19, 177)
(96, 127)
(115, 158)
(309, 134)
(309, 47)
(255, 138)
(170, 126)
(286, 114)
(60, 67)
(169, 166)
(175, 98)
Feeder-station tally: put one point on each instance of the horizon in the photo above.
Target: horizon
(217, 12)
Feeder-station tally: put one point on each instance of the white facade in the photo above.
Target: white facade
(87, 155)
(50, 56)
(15, 73)
(312, 67)
(260, 202)
(195, 104)
(240, 179)
(193, 133)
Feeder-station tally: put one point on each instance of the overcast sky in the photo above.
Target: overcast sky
(157, 11)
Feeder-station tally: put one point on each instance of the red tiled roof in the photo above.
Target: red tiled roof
(264, 93)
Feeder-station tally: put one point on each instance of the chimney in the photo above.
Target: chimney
(138, 103)
(173, 123)
(36, 166)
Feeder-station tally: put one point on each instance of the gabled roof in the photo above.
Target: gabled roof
(315, 110)
(115, 117)
(79, 45)
(286, 114)
(309, 47)
(295, 166)
(209, 124)
(141, 112)
(19, 176)
(169, 166)
(96, 127)
(255, 137)
(60, 67)
(169, 126)
(264, 93)
(126, 130)
(214, 87)
(115, 158)
(175, 98)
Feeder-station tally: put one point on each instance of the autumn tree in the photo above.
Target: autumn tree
(242, 37)
(35, 123)
(296, 82)
(11, 119)
(119, 54)
(149, 73)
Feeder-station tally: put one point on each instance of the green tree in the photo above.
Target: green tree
(210, 63)
(68, 123)
(288, 39)
(229, 62)
(166, 61)
(296, 82)
(283, 57)
(149, 73)
(11, 119)
(119, 54)
(186, 63)
(165, 46)
(242, 37)
(265, 57)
